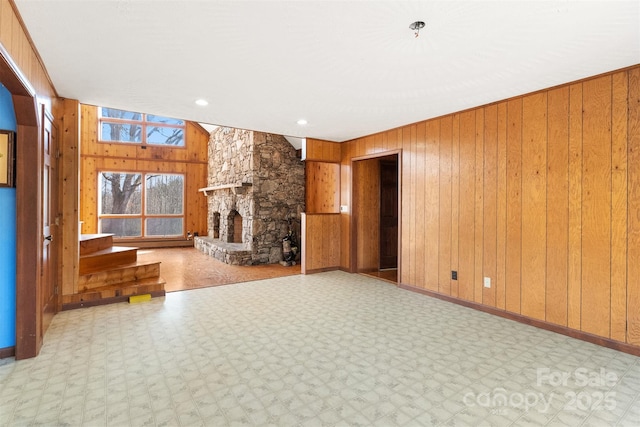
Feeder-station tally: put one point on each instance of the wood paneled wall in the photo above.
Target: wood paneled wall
(320, 232)
(321, 221)
(321, 151)
(97, 156)
(322, 187)
(17, 43)
(366, 213)
(540, 193)
(70, 194)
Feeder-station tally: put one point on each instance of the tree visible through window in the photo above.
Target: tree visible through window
(127, 208)
(137, 128)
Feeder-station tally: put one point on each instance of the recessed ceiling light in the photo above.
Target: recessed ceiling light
(202, 102)
(302, 122)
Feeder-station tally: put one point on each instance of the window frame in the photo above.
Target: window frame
(143, 216)
(143, 123)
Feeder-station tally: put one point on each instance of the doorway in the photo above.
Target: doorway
(376, 212)
(36, 268)
(389, 214)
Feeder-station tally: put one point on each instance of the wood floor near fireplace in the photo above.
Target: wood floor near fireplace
(188, 268)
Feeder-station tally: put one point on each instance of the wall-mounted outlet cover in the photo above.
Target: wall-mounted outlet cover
(454, 275)
(487, 282)
(344, 208)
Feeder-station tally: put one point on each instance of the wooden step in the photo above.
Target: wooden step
(120, 274)
(107, 258)
(95, 242)
(114, 293)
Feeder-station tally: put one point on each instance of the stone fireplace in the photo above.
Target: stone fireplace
(255, 193)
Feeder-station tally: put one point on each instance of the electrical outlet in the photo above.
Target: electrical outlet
(487, 282)
(454, 275)
(344, 208)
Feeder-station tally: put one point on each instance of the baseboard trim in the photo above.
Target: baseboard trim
(105, 301)
(7, 352)
(321, 270)
(563, 330)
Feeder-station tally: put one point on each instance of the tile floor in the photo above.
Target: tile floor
(331, 349)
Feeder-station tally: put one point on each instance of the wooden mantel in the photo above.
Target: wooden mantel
(207, 191)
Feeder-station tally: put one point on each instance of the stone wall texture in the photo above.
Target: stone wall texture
(271, 196)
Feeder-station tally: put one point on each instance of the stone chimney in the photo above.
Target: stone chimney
(256, 188)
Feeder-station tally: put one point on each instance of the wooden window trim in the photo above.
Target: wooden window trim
(143, 123)
(143, 216)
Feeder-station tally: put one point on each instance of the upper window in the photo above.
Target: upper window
(138, 128)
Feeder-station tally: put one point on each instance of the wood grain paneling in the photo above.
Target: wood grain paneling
(366, 205)
(534, 189)
(321, 151)
(479, 207)
(15, 40)
(619, 210)
(539, 193)
(378, 143)
(574, 269)
(466, 214)
(431, 204)
(490, 213)
(404, 137)
(501, 200)
(514, 206)
(455, 202)
(633, 255)
(557, 206)
(445, 215)
(323, 184)
(596, 206)
(319, 234)
(409, 142)
(420, 183)
(70, 146)
(345, 200)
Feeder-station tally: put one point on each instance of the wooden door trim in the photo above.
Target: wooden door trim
(28, 251)
(13, 79)
(54, 208)
(353, 237)
(27, 197)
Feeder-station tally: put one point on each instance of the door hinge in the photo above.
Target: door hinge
(55, 290)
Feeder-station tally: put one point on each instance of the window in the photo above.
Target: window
(137, 128)
(132, 204)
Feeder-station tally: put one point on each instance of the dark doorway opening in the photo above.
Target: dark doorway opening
(376, 208)
(389, 214)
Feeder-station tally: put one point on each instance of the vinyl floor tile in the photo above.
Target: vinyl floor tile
(331, 349)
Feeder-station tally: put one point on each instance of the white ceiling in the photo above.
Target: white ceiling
(350, 68)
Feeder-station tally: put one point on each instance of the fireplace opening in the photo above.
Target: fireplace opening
(216, 225)
(234, 224)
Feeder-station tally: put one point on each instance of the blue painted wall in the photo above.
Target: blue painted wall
(7, 238)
